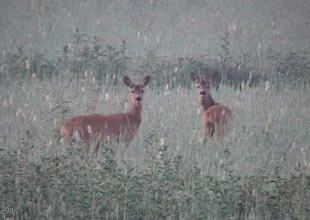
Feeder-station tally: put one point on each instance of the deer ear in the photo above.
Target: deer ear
(128, 82)
(194, 77)
(209, 80)
(146, 81)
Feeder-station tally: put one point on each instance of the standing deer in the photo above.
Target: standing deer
(95, 128)
(215, 116)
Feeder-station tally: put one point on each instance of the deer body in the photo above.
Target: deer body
(215, 119)
(215, 116)
(96, 127)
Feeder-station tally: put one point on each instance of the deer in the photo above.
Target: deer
(112, 127)
(215, 116)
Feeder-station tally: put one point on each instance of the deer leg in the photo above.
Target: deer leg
(208, 131)
(97, 147)
(67, 142)
(211, 130)
(220, 131)
(221, 128)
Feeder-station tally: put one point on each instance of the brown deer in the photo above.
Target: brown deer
(215, 116)
(96, 127)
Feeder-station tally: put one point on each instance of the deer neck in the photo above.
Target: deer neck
(207, 102)
(135, 112)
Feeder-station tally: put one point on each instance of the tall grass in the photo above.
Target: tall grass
(259, 170)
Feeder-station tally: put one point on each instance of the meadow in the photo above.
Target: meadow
(260, 170)
(69, 58)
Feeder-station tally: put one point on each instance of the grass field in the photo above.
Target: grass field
(66, 58)
(260, 170)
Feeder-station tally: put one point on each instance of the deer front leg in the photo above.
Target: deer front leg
(67, 141)
(220, 131)
(208, 131)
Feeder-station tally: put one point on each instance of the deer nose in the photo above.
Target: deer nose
(202, 93)
(138, 99)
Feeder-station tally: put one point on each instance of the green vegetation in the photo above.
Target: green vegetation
(260, 170)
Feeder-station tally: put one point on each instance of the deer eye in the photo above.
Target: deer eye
(142, 91)
(198, 87)
(132, 91)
